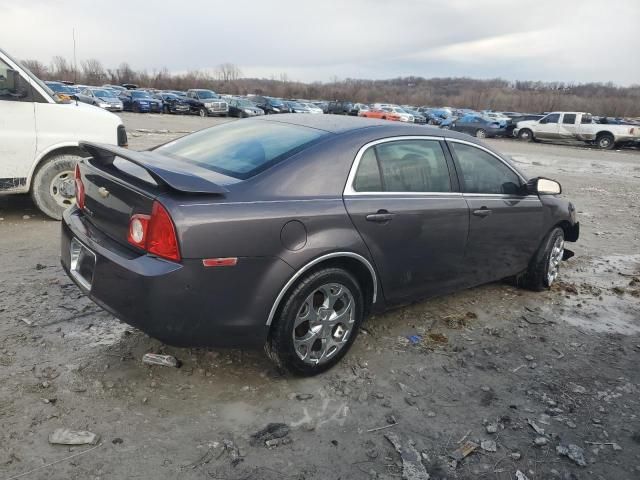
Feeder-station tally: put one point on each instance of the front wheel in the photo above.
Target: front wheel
(481, 133)
(545, 265)
(525, 134)
(53, 189)
(318, 322)
(203, 113)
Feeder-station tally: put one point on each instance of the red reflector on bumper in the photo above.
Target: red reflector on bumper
(220, 262)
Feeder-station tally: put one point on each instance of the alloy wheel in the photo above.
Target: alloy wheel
(557, 252)
(324, 323)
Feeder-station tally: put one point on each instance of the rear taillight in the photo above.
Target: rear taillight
(79, 188)
(155, 233)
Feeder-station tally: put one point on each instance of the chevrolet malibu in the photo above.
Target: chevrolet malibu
(288, 230)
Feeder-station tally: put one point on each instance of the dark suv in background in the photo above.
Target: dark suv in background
(206, 102)
(342, 108)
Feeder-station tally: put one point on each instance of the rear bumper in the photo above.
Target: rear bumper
(182, 304)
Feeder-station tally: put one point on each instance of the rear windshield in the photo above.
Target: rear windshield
(242, 149)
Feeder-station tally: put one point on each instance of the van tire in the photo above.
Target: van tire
(53, 183)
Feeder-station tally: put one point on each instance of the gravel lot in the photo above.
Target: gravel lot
(491, 364)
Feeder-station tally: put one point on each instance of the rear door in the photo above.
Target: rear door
(505, 224)
(548, 128)
(569, 126)
(403, 198)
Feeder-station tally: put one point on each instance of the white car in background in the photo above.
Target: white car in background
(313, 108)
(39, 137)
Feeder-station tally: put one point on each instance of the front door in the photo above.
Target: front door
(505, 225)
(405, 206)
(548, 127)
(17, 129)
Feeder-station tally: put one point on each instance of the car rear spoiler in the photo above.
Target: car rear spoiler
(175, 178)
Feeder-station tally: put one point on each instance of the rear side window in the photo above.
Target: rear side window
(242, 149)
(403, 166)
(484, 173)
(569, 118)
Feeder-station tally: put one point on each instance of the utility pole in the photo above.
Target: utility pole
(75, 63)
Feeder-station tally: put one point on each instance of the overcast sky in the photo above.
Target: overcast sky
(567, 40)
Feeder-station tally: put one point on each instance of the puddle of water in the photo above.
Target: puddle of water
(602, 309)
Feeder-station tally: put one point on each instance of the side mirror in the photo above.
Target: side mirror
(543, 186)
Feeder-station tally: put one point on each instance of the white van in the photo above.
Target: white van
(39, 136)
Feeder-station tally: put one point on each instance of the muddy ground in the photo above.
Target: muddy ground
(491, 359)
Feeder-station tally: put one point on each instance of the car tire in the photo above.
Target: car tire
(166, 109)
(545, 264)
(312, 297)
(605, 141)
(203, 113)
(135, 108)
(481, 133)
(525, 135)
(53, 185)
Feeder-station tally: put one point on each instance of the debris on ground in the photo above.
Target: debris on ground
(521, 476)
(163, 360)
(574, 453)
(540, 441)
(532, 424)
(233, 451)
(64, 436)
(270, 432)
(412, 467)
(464, 451)
(304, 396)
(492, 428)
(414, 339)
(488, 446)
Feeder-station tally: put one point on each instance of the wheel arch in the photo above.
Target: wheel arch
(60, 149)
(570, 231)
(352, 262)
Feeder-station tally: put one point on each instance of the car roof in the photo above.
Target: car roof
(343, 123)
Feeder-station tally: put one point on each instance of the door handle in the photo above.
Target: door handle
(482, 212)
(382, 216)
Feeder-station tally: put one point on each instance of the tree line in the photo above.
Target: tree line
(495, 94)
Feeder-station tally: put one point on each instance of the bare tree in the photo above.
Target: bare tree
(61, 68)
(227, 72)
(38, 68)
(93, 72)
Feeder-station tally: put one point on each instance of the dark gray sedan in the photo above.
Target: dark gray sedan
(478, 126)
(288, 230)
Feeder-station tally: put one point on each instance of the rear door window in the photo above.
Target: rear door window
(242, 149)
(569, 118)
(404, 166)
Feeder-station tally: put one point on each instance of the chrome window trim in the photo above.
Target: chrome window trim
(349, 190)
(480, 147)
(315, 261)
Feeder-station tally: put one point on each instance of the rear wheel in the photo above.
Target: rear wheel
(481, 133)
(53, 188)
(605, 141)
(545, 266)
(525, 134)
(318, 322)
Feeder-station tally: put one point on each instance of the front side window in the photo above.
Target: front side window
(484, 173)
(12, 85)
(403, 166)
(553, 118)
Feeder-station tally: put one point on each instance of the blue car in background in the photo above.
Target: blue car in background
(140, 101)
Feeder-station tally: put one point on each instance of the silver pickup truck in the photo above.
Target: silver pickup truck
(576, 126)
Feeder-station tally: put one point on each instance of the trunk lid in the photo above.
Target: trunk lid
(119, 183)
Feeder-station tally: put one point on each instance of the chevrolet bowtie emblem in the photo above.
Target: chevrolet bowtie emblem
(104, 193)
